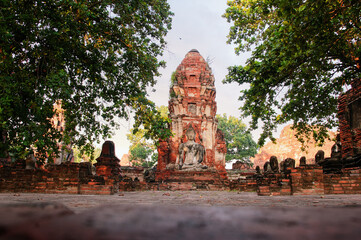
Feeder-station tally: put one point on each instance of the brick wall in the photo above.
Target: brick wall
(191, 180)
(273, 185)
(67, 178)
(73, 178)
(307, 180)
(243, 185)
(349, 133)
(242, 180)
(133, 172)
(348, 182)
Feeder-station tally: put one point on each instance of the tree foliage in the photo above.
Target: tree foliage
(140, 155)
(143, 151)
(239, 142)
(98, 57)
(304, 54)
(83, 157)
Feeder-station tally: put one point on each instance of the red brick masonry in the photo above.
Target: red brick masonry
(349, 114)
(72, 178)
(309, 180)
(75, 178)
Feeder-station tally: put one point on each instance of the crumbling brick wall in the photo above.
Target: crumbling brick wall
(349, 114)
(274, 185)
(307, 180)
(67, 178)
(347, 182)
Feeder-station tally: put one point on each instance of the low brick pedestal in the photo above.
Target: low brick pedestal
(191, 180)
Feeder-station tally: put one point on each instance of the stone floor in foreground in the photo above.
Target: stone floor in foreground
(80, 203)
(179, 215)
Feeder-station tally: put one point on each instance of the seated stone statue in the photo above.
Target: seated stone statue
(258, 173)
(290, 163)
(328, 164)
(320, 157)
(352, 161)
(30, 161)
(335, 163)
(336, 150)
(286, 164)
(258, 170)
(303, 161)
(191, 154)
(267, 168)
(274, 164)
(282, 164)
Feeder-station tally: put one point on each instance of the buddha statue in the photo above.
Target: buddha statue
(191, 154)
(274, 164)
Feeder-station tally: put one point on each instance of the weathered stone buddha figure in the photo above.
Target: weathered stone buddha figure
(267, 168)
(320, 157)
(287, 163)
(303, 161)
(191, 154)
(258, 170)
(336, 150)
(274, 164)
(333, 163)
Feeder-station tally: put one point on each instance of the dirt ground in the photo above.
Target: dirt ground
(179, 215)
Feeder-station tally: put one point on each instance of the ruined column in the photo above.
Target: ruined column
(107, 163)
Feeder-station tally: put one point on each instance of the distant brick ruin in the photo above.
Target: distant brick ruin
(287, 146)
(338, 174)
(65, 151)
(58, 122)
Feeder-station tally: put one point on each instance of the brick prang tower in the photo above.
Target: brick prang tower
(192, 105)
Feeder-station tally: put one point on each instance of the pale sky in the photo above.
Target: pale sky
(197, 24)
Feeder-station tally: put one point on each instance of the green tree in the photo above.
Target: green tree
(304, 54)
(240, 145)
(97, 57)
(143, 151)
(140, 155)
(84, 157)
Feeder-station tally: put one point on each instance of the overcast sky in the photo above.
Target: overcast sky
(197, 24)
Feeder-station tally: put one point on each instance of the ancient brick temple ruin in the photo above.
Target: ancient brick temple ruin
(194, 158)
(197, 150)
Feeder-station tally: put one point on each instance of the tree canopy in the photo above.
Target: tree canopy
(78, 156)
(239, 142)
(141, 155)
(304, 54)
(143, 151)
(97, 57)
